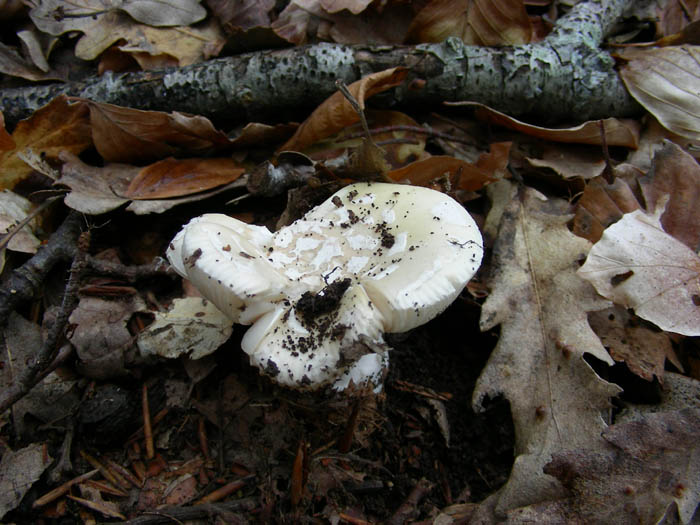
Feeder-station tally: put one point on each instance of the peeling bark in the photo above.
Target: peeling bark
(565, 77)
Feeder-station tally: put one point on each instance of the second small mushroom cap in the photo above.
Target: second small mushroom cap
(373, 258)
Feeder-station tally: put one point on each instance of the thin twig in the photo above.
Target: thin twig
(26, 281)
(35, 371)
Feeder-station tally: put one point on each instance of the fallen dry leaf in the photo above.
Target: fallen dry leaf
(193, 327)
(463, 175)
(675, 15)
(99, 190)
(13, 209)
(650, 463)
(638, 265)
(101, 337)
(664, 81)
(58, 126)
(57, 16)
(541, 306)
(675, 174)
(94, 190)
(354, 6)
(131, 135)
(618, 132)
(335, 113)
(13, 64)
(242, 14)
(150, 46)
(601, 205)
(400, 146)
(570, 161)
(19, 470)
(177, 177)
(476, 22)
(627, 339)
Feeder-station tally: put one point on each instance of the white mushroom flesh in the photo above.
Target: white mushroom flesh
(395, 255)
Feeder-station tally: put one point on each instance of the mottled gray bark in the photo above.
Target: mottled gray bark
(565, 77)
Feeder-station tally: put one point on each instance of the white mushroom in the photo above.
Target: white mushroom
(372, 259)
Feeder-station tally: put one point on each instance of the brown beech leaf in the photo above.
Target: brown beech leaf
(541, 305)
(638, 265)
(462, 174)
(132, 135)
(618, 132)
(664, 81)
(258, 135)
(627, 339)
(176, 177)
(570, 161)
(677, 174)
(676, 15)
(336, 113)
(98, 190)
(601, 205)
(58, 126)
(650, 464)
(476, 22)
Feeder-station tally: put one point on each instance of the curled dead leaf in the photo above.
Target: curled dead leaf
(132, 135)
(335, 113)
(618, 132)
(58, 126)
(461, 174)
(176, 177)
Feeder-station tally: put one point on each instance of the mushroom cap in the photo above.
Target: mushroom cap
(373, 258)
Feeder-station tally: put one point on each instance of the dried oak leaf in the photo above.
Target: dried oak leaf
(650, 464)
(638, 265)
(664, 81)
(158, 47)
(476, 22)
(131, 135)
(58, 126)
(335, 113)
(101, 337)
(177, 177)
(542, 305)
(13, 64)
(677, 174)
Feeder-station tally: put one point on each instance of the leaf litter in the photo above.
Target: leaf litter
(199, 426)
